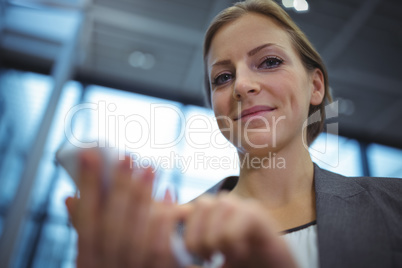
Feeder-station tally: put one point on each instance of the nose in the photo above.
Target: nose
(245, 84)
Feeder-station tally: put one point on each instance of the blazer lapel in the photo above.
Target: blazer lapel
(351, 231)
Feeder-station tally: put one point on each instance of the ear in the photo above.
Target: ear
(318, 87)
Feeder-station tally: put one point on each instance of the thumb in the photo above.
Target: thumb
(184, 211)
(71, 204)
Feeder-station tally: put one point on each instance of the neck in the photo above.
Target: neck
(283, 178)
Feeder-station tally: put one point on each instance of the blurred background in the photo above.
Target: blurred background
(144, 58)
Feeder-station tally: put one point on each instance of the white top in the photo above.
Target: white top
(302, 242)
(304, 246)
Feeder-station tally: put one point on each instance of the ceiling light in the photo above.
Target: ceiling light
(149, 62)
(136, 59)
(300, 5)
(141, 60)
(287, 3)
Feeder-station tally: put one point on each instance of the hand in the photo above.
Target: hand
(241, 230)
(123, 227)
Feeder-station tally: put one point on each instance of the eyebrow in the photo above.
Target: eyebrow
(257, 49)
(250, 53)
(222, 62)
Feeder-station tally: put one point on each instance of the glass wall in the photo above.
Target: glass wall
(24, 97)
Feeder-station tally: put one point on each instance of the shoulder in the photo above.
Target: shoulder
(391, 186)
(383, 193)
(386, 193)
(386, 196)
(327, 181)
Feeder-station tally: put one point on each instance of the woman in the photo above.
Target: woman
(265, 80)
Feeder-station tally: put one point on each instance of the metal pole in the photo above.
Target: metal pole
(2, 14)
(16, 213)
(41, 217)
(43, 213)
(2, 19)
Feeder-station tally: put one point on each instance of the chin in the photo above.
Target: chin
(259, 145)
(262, 158)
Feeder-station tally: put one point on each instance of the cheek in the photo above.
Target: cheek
(298, 96)
(226, 127)
(284, 94)
(224, 122)
(220, 103)
(220, 112)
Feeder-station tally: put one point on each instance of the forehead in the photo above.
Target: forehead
(244, 34)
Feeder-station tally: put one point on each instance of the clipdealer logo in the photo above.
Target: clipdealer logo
(328, 152)
(116, 130)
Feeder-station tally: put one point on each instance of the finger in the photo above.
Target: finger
(138, 215)
(183, 212)
(248, 235)
(195, 227)
(71, 203)
(168, 197)
(86, 210)
(161, 227)
(90, 185)
(234, 243)
(266, 240)
(264, 227)
(114, 213)
(217, 222)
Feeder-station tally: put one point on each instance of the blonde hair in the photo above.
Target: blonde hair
(308, 55)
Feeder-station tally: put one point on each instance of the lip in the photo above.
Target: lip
(254, 111)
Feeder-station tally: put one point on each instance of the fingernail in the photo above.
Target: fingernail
(89, 158)
(125, 164)
(147, 175)
(137, 173)
(67, 200)
(84, 159)
(168, 199)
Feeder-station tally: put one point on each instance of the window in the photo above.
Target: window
(384, 161)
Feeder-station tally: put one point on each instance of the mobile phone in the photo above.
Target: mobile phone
(68, 157)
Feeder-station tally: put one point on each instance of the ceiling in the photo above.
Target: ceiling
(360, 41)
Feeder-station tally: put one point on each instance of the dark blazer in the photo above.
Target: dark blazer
(359, 219)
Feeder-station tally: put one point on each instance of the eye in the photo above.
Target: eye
(222, 79)
(270, 63)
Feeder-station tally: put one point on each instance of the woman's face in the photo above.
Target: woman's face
(261, 91)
